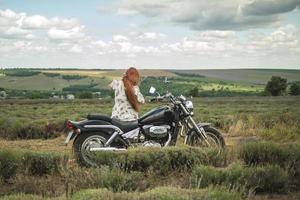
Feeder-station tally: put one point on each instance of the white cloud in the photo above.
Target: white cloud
(151, 36)
(35, 22)
(71, 34)
(76, 49)
(120, 38)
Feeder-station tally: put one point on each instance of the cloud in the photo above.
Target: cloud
(151, 36)
(210, 15)
(269, 7)
(120, 38)
(71, 34)
(20, 25)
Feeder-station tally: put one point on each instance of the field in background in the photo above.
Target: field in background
(35, 164)
(252, 76)
(235, 82)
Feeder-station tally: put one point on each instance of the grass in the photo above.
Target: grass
(271, 118)
(139, 172)
(161, 193)
(48, 174)
(253, 76)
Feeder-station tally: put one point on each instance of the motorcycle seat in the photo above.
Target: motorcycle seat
(125, 126)
(95, 116)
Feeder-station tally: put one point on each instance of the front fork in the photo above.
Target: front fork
(189, 124)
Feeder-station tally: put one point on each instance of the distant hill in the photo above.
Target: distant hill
(253, 76)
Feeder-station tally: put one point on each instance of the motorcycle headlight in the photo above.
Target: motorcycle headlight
(189, 105)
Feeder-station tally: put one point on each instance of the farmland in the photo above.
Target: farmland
(20, 83)
(262, 134)
(36, 127)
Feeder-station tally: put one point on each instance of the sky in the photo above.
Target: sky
(156, 34)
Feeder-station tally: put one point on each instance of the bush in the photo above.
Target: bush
(85, 95)
(295, 89)
(159, 161)
(293, 165)
(73, 77)
(286, 156)
(9, 162)
(253, 153)
(204, 176)
(165, 193)
(43, 163)
(116, 180)
(16, 129)
(270, 178)
(20, 72)
(51, 74)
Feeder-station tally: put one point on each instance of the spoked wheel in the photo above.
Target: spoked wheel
(214, 139)
(82, 146)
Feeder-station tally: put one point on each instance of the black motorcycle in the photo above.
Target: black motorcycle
(159, 127)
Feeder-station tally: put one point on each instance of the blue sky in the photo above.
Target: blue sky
(182, 34)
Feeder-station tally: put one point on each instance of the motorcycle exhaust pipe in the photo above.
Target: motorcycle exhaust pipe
(107, 149)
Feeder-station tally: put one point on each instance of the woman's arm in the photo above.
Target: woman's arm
(139, 95)
(112, 85)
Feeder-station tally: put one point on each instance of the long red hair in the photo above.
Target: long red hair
(130, 79)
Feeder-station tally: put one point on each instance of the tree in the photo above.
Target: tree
(295, 89)
(85, 95)
(194, 92)
(276, 86)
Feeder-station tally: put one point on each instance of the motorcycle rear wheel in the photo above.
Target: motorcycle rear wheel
(82, 145)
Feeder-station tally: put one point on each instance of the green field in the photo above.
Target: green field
(262, 134)
(235, 82)
(250, 76)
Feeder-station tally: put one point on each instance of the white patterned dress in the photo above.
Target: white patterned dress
(122, 109)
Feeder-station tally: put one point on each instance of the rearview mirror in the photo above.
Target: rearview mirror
(152, 90)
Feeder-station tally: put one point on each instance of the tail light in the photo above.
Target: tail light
(70, 125)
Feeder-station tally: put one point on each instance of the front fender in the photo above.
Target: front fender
(203, 124)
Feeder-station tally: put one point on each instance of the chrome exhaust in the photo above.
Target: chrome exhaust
(107, 149)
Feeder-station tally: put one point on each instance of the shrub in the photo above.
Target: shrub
(20, 72)
(165, 193)
(21, 197)
(159, 161)
(293, 165)
(85, 95)
(51, 74)
(16, 129)
(43, 163)
(295, 89)
(72, 77)
(204, 176)
(9, 162)
(116, 180)
(254, 153)
(270, 178)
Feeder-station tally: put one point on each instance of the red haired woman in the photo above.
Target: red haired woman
(128, 97)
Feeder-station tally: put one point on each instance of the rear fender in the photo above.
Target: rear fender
(80, 129)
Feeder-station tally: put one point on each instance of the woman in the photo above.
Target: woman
(128, 98)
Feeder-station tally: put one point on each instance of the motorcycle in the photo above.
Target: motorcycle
(159, 127)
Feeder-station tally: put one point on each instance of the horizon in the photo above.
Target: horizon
(162, 69)
(161, 34)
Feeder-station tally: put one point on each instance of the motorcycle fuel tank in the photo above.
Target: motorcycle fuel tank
(159, 115)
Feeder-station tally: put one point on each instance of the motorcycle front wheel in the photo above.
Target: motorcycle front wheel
(214, 139)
